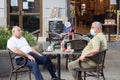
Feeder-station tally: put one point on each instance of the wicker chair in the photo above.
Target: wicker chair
(76, 36)
(97, 71)
(17, 68)
(77, 45)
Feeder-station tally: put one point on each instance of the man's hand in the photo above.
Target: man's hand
(81, 58)
(31, 58)
(40, 54)
(36, 52)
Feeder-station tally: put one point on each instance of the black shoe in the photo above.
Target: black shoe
(54, 79)
(80, 78)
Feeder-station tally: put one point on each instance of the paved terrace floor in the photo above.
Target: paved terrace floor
(111, 70)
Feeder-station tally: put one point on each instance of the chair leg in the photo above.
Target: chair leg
(98, 76)
(66, 61)
(79, 75)
(10, 76)
(29, 75)
(16, 76)
(84, 75)
(103, 76)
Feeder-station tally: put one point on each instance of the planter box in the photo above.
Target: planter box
(5, 65)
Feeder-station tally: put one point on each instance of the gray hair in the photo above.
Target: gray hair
(14, 28)
(97, 24)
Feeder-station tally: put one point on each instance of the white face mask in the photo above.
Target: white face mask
(92, 32)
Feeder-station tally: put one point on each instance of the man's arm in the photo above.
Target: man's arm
(36, 52)
(19, 52)
(90, 53)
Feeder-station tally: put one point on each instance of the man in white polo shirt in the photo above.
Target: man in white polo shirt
(19, 45)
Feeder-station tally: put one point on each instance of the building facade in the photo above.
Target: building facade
(24, 13)
(36, 14)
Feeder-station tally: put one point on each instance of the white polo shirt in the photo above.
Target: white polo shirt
(20, 43)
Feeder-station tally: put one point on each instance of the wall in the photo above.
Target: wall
(3, 13)
(47, 5)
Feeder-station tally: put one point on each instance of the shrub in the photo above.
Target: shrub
(30, 38)
(5, 34)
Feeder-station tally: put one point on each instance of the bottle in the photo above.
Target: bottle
(53, 46)
(62, 46)
(71, 35)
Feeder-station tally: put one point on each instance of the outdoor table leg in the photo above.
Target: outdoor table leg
(59, 66)
(58, 54)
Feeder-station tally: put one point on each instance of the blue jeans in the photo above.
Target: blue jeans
(34, 66)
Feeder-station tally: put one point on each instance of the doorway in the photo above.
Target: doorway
(25, 13)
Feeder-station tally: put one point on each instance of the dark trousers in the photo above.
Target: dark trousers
(44, 60)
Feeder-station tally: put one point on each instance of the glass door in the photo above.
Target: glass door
(25, 13)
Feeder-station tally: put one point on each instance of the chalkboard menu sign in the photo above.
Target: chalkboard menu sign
(56, 26)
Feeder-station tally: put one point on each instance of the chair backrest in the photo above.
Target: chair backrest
(78, 44)
(99, 58)
(13, 62)
(76, 36)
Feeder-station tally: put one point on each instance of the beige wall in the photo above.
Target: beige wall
(3, 14)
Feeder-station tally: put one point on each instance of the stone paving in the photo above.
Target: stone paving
(111, 70)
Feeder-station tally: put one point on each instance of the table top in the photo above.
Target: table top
(58, 51)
